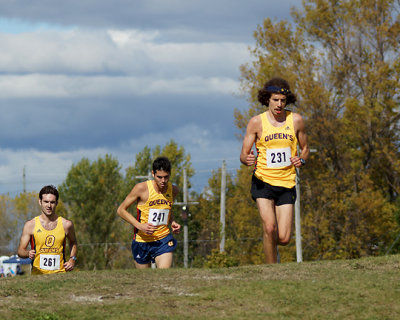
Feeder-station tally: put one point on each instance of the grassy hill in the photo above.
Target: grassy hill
(349, 289)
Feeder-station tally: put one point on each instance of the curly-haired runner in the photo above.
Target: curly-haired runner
(276, 134)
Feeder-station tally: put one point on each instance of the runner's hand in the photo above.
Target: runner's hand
(69, 265)
(148, 228)
(251, 159)
(296, 161)
(176, 227)
(31, 254)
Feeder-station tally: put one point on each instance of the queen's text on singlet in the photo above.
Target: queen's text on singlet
(155, 211)
(274, 150)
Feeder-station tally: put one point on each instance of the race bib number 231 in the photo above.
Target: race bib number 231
(277, 158)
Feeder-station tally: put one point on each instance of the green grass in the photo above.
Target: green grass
(348, 289)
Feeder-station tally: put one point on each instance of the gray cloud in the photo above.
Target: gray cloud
(86, 78)
(199, 19)
(93, 122)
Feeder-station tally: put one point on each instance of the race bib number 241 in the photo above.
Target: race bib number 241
(158, 217)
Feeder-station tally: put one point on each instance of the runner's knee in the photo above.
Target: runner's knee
(270, 229)
(284, 240)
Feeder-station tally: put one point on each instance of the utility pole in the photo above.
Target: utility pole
(185, 225)
(222, 206)
(297, 216)
(299, 249)
(144, 177)
(185, 216)
(24, 179)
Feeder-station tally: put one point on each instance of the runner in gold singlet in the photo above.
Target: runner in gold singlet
(49, 247)
(274, 150)
(152, 240)
(47, 235)
(276, 134)
(156, 210)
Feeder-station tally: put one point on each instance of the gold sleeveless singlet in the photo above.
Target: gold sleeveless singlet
(274, 149)
(155, 211)
(50, 248)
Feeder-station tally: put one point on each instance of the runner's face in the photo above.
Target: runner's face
(161, 178)
(277, 103)
(48, 204)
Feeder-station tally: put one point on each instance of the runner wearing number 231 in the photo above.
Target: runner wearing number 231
(152, 240)
(276, 134)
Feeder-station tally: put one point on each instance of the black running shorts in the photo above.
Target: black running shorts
(281, 195)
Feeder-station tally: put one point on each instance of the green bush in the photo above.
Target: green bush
(220, 260)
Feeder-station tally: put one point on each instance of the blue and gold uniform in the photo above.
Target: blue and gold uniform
(156, 211)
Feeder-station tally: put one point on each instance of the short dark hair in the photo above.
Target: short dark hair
(162, 164)
(275, 85)
(50, 189)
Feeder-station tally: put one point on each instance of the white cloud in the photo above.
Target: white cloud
(123, 38)
(114, 52)
(64, 86)
(82, 63)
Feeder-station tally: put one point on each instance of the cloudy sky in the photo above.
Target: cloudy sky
(82, 78)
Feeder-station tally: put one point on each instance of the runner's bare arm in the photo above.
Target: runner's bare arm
(139, 194)
(247, 156)
(299, 127)
(73, 244)
(176, 227)
(27, 233)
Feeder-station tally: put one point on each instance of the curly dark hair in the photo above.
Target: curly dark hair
(275, 85)
(50, 189)
(162, 164)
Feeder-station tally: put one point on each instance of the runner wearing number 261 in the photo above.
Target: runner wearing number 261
(276, 134)
(153, 241)
(47, 235)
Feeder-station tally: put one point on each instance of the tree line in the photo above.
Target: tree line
(342, 60)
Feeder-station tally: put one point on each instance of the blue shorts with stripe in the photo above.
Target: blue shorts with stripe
(146, 252)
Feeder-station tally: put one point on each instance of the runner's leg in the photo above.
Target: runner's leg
(284, 217)
(164, 261)
(142, 266)
(266, 208)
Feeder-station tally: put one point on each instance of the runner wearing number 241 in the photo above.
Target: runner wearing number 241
(276, 134)
(152, 240)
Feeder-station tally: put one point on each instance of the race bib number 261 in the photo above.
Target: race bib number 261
(49, 262)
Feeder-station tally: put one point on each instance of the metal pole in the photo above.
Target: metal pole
(185, 225)
(299, 251)
(222, 206)
(24, 180)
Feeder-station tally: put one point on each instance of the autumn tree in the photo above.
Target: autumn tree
(7, 225)
(206, 216)
(144, 160)
(91, 194)
(343, 62)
